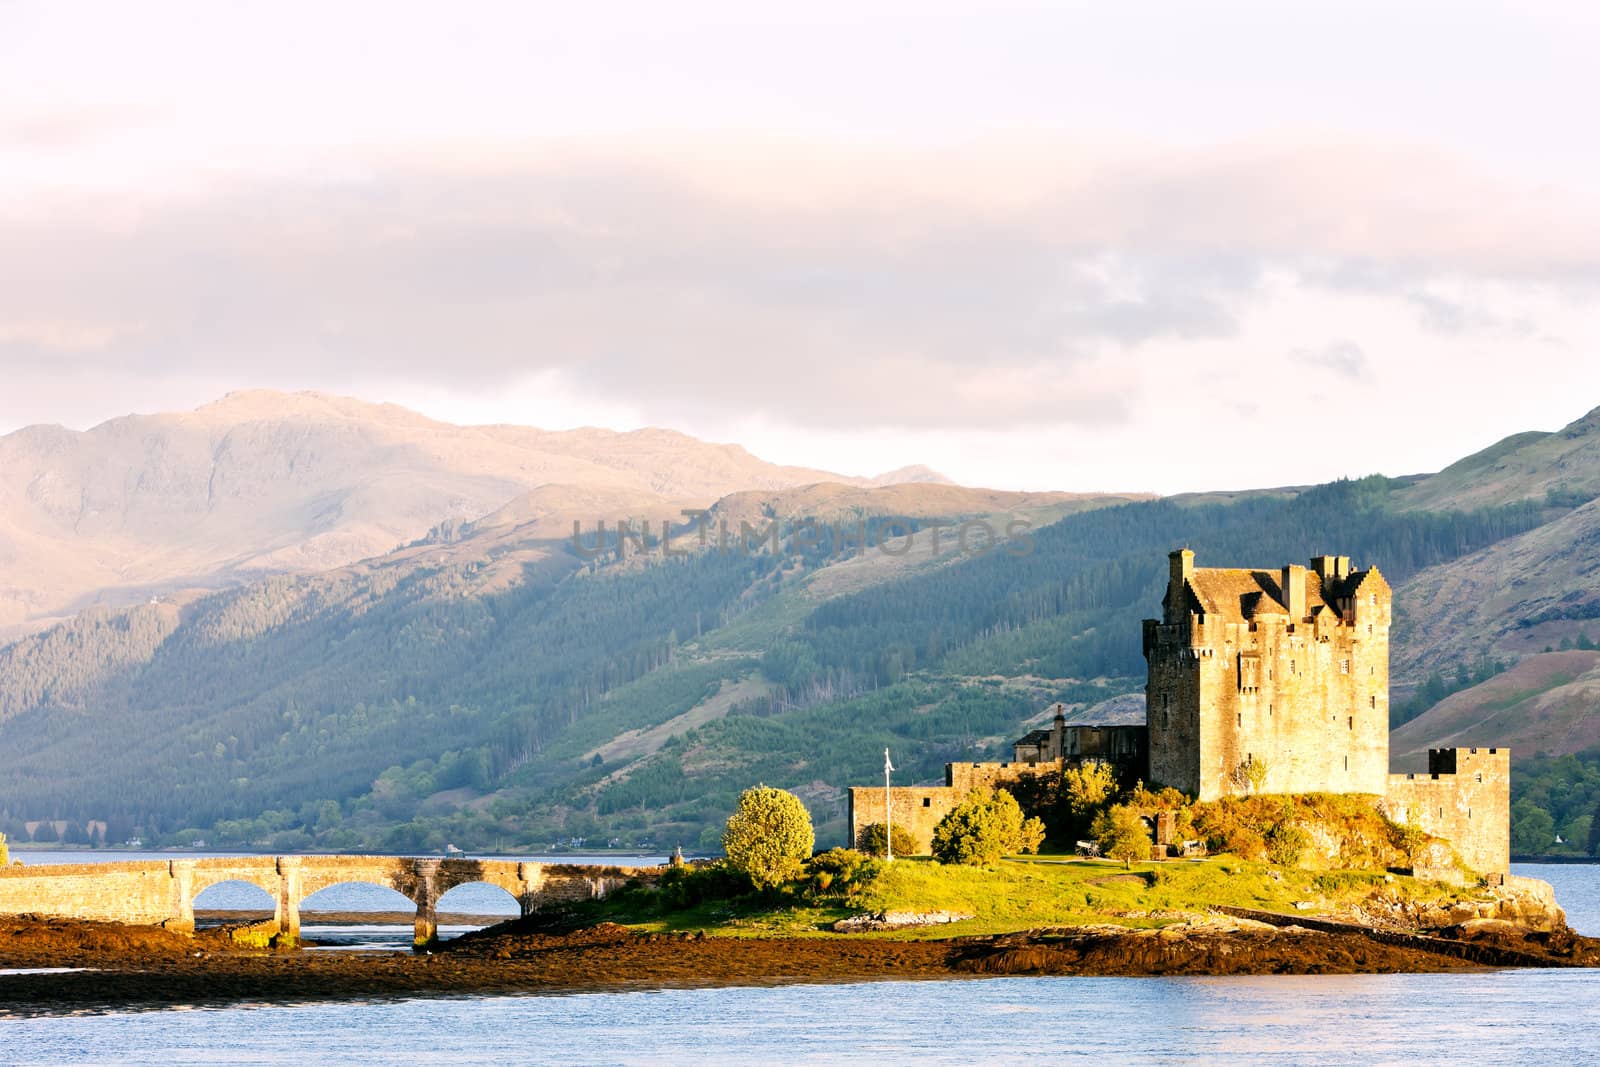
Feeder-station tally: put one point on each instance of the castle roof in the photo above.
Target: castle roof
(1239, 594)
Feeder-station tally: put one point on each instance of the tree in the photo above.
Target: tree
(1121, 834)
(1087, 787)
(870, 840)
(985, 826)
(1251, 775)
(768, 836)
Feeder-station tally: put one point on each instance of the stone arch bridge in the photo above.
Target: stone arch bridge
(162, 892)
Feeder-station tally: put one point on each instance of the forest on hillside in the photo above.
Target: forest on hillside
(404, 708)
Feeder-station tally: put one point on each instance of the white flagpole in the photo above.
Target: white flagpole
(888, 810)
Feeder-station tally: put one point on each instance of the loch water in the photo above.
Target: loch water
(1515, 1016)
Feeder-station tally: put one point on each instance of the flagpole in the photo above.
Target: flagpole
(888, 810)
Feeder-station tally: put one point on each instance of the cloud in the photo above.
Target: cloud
(1001, 286)
(1344, 358)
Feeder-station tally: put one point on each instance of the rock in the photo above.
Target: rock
(894, 920)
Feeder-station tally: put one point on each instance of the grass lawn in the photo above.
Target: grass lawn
(1018, 894)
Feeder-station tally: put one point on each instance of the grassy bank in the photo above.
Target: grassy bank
(1018, 894)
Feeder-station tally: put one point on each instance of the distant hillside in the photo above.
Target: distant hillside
(1547, 703)
(262, 482)
(489, 683)
(1514, 598)
(1562, 468)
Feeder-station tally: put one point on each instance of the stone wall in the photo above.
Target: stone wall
(1465, 798)
(918, 808)
(965, 777)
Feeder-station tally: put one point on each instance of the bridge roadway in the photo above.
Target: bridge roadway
(162, 892)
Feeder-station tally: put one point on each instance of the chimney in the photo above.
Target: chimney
(1182, 562)
(1294, 591)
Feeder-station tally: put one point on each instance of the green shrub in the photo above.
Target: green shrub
(769, 836)
(1408, 840)
(837, 869)
(1243, 841)
(870, 840)
(1121, 834)
(687, 887)
(984, 827)
(1287, 843)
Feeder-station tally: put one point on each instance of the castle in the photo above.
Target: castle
(1268, 681)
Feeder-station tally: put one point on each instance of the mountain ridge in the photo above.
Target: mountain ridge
(262, 482)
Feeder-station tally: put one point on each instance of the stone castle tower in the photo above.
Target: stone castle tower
(1287, 670)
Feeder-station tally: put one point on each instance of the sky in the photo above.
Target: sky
(1157, 247)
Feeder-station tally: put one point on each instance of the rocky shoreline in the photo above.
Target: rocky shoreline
(137, 968)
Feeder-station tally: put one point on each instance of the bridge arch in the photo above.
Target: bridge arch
(245, 895)
(484, 899)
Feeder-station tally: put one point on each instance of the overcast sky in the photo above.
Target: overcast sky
(1098, 246)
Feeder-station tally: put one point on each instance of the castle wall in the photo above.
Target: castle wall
(1309, 701)
(1465, 798)
(1172, 706)
(965, 777)
(917, 810)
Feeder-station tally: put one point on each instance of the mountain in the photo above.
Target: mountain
(263, 482)
(1512, 599)
(1547, 703)
(1561, 468)
(477, 674)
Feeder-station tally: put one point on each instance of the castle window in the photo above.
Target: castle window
(1374, 699)
(1292, 668)
(1344, 667)
(1241, 718)
(1352, 722)
(1347, 763)
(927, 802)
(1478, 778)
